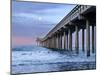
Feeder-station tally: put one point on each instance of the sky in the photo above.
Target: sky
(31, 20)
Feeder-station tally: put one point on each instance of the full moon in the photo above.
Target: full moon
(40, 18)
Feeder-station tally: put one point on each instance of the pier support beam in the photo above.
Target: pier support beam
(83, 40)
(67, 41)
(50, 42)
(53, 41)
(70, 39)
(93, 39)
(64, 39)
(87, 38)
(60, 40)
(77, 40)
(57, 42)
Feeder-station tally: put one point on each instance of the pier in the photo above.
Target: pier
(81, 17)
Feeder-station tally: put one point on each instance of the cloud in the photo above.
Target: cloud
(32, 30)
(36, 10)
(23, 41)
(31, 19)
(29, 6)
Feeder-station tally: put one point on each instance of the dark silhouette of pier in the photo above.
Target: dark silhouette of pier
(79, 18)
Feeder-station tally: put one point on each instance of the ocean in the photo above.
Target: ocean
(34, 59)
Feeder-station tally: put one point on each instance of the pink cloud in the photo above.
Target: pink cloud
(22, 40)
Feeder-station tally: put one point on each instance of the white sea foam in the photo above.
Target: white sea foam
(26, 59)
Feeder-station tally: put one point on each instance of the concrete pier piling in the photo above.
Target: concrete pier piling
(77, 39)
(87, 37)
